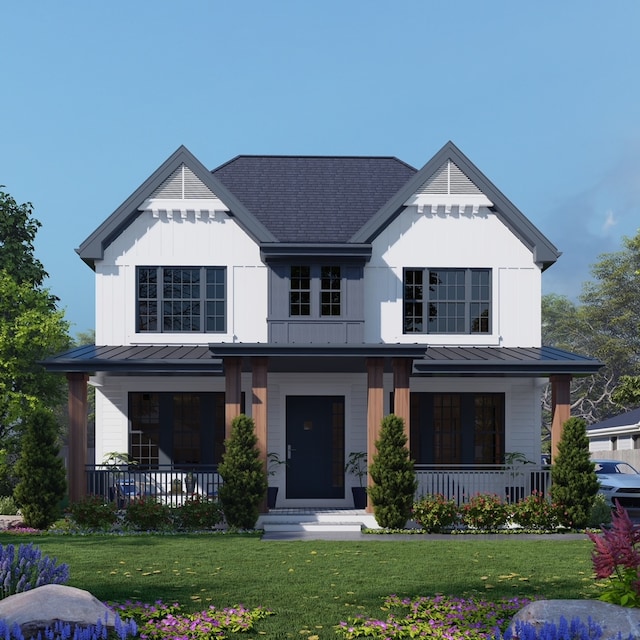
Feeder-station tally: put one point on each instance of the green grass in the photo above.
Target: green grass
(312, 585)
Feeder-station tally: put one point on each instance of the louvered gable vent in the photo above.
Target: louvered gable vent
(449, 187)
(183, 184)
(449, 179)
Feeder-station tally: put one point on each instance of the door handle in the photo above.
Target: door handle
(290, 449)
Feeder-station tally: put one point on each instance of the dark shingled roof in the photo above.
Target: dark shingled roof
(313, 199)
(629, 418)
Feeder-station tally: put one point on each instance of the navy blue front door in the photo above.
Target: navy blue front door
(315, 447)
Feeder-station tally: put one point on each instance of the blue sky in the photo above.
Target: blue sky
(543, 97)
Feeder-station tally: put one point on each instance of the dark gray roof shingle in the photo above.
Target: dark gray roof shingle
(313, 199)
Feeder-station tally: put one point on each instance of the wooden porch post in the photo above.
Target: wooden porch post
(259, 371)
(375, 409)
(232, 392)
(77, 403)
(401, 405)
(560, 408)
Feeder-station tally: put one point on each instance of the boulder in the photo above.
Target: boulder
(41, 607)
(611, 618)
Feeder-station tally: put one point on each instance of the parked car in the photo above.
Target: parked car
(619, 481)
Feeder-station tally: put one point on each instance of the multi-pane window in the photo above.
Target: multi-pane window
(181, 299)
(300, 291)
(176, 428)
(447, 301)
(315, 290)
(457, 428)
(330, 286)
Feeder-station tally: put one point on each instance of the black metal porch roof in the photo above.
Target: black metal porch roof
(427, 360)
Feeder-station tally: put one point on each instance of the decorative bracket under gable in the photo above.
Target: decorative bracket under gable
(198, 208)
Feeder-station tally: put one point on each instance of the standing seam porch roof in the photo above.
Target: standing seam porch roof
(427, 361)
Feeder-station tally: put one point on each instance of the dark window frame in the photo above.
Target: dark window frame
(169, 299)
(458, 428)
(447, 301)
(316, 291)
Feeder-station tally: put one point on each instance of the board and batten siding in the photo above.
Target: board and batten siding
(415, 240)
(182, 242)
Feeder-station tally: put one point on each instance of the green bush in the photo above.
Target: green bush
(244, 475)
(199, 513)
(41, 471)
(600, 512)
(485, 511)
(536, 512)
(147, 514)
(434, 513)
(8, 506)
(94, 512)
(574, 483)
(394, 479)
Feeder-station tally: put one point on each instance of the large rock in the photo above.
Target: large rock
(41, 607)
(610, 617)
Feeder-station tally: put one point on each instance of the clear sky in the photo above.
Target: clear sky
(544, 97)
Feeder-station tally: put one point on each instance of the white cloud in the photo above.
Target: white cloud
(610, 221)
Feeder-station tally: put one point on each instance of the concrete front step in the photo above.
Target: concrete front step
(304, 520)
(335, 527)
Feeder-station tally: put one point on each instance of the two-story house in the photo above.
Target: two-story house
(316, 294)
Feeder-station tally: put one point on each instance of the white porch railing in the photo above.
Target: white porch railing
(461, 482)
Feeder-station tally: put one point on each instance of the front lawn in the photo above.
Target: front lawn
(311, 586)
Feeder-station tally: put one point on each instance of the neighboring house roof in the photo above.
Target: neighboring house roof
(622, 423)
(489, 361)
(318, 205)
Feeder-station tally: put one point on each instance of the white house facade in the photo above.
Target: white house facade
(316, 294)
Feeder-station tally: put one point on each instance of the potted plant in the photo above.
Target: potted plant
(514, 462)
(190, 482)
(273, 462)
(357, 466)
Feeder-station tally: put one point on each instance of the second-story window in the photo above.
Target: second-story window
(330, 288)
(315, 290)
(181, 299)
(300, 291)
(447, 301)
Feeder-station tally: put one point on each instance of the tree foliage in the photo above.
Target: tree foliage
(391, 470)
(244, 475)
(605, 325)
(574, 483)
(18, 230)
(41, 473)
(31, 327)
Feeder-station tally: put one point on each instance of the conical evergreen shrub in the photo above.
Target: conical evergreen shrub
(574, 483)
(42, 477)
(244, 477)
(392, 472)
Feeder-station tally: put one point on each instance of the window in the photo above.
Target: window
(181, 299)
(457, 428)
(300, 291)
(330, 291)
(447, 301)
(182, 429)
(315, 291)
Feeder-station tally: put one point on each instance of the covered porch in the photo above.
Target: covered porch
(403, 362)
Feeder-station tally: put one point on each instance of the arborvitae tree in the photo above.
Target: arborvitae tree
(244, 475)
(394, 479)
(42, 478)
(574, 483)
